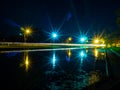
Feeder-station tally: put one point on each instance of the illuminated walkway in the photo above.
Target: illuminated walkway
(39, 45)
(21, 47)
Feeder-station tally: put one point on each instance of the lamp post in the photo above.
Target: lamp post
(83, 39)
(26, 32)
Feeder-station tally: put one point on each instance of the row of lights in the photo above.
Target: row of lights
(83, 39)
(81, 54)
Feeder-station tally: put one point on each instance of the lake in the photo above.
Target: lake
(53, 70)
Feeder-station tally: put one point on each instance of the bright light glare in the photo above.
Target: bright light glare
(82, 39)
(70, 38)
(54, 35)
(96, 41)
(27, 31)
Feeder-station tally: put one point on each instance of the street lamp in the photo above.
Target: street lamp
(26, 31)
(83, 39)
(96, 41)
(69, 39)
(54, 35)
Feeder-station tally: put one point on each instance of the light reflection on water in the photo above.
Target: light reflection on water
(54, 60)
(26, 63)
(69, 69)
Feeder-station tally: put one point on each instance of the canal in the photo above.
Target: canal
(77, 69)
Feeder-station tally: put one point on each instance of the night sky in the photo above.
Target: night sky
(69, 16)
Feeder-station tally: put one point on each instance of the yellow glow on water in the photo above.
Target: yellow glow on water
(27, 62)
(69, 53)
(96, 53)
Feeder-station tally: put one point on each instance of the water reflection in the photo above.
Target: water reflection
(68, 56)
(54, 60)
(93, 77)
(69, 53)
(26, 62)
(83, 54)
(77, 77)
(99, 54)
(96, 53)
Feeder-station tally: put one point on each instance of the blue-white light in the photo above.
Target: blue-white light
(54, 35)
(82, 54)
(82, 39)
(53, 60)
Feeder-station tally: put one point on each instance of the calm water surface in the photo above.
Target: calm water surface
(52, 70)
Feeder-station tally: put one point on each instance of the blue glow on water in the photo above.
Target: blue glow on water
(82, 54)
(67, 58)
(54, 60)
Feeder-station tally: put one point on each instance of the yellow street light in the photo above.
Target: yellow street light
(26, 31)
(70, 38)
(96, 41)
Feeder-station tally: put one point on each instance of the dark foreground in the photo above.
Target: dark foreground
(74, 73)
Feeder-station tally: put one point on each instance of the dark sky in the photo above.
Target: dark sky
(70, 16)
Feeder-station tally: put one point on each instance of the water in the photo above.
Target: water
(53, 70)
